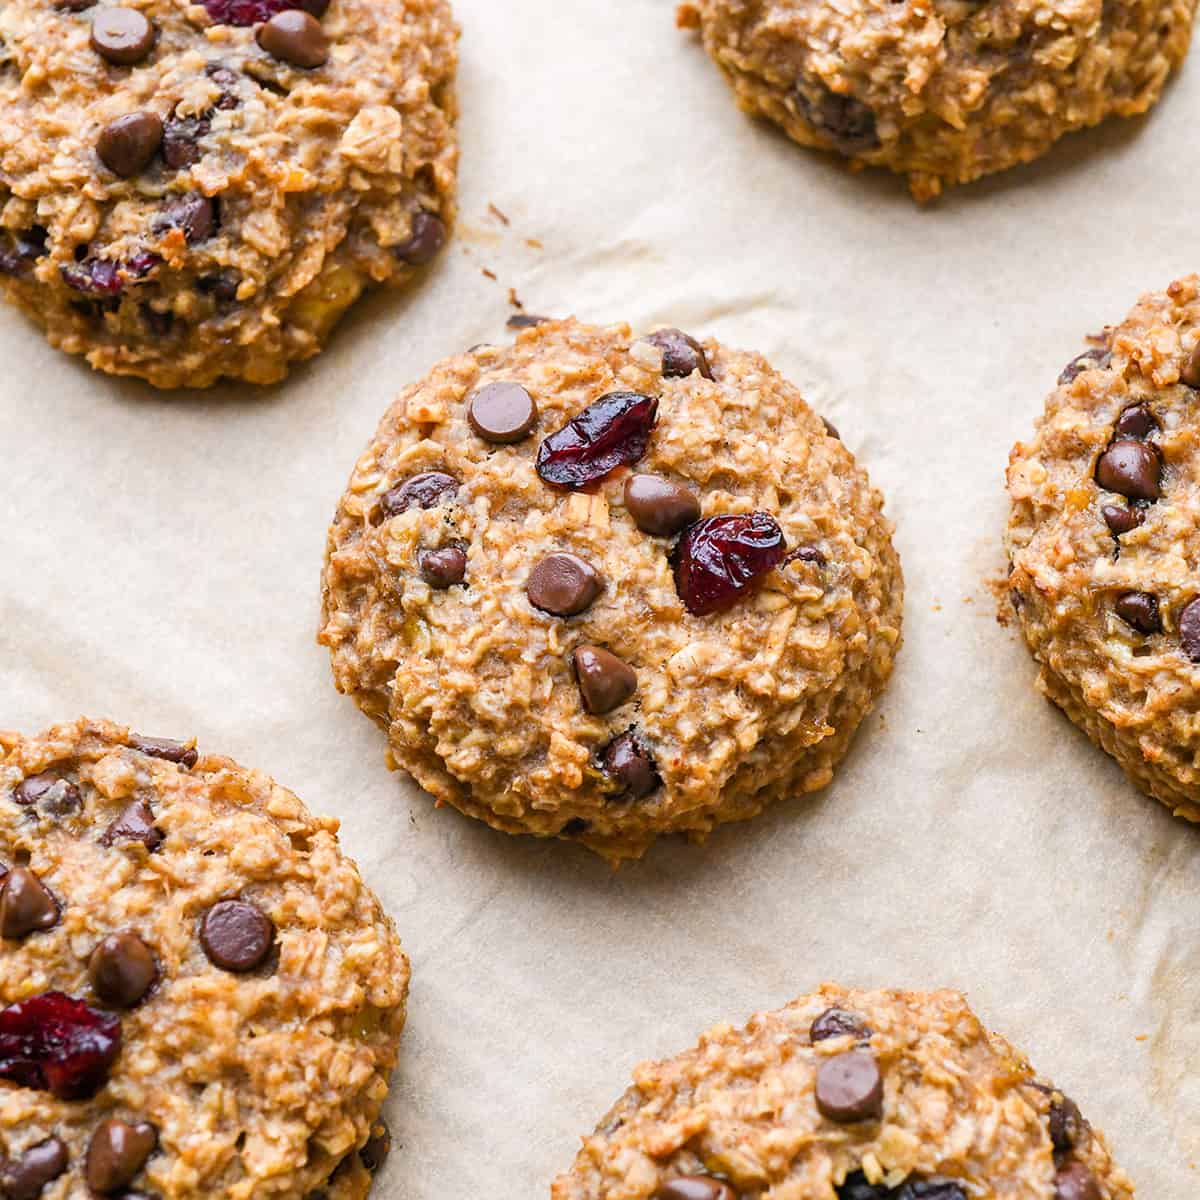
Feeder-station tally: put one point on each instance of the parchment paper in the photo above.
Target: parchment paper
(161, 556)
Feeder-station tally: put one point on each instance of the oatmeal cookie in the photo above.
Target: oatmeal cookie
(1104, 540)
(942, 91)
(197, 190)
(198, 995)
(605, 587)
(846, 1095)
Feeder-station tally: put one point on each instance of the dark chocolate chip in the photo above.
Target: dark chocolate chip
(563, 585)
(1087, 361)
(681, 355)
(856, 1187)
(831, 429)
(575, 827)
(236, 935)
(181, 139)
(605, 682)
(839, 1022)
(1066, 1122)
(117, 1152)
(443, 568)
(845, 120)
(628, 764)
(930, 1189)
(426, 490)
(26, 905)
(694, 1187)
(1137, 421)
(182, 753)
(54, 796)
(525, 320)
(659, 506)
(193, 213)
(135, 824)
(127, 146)
(25, 1177)
(502, 412)
(373, 1153)
(222, 285)
(1139, 610)
(1190, 374)
(1131, 469)
(1075, 1181)
(425, 239)
(122, 35)
(850, 1087)
(295, 36)
(1120, 519)
(122, 969)
(1189, 629)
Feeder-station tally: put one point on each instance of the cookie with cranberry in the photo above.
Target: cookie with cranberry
(1104, 537)
(198, 994)
(943, 93)
(190, 191)
(846, 1095)
(603, 586)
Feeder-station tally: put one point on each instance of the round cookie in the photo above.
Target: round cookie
(604, 587)
(942, 91)
(1103, 540)
(846, 1095)
(198, 995)
(197, 190)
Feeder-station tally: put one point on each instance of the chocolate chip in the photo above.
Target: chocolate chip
(181, 139)
(228, 81)
(831, 429)
(24, 1178)
(425, 239)
(117, 1152)
(135, 824)
(694, 1187)
(681, 355)
(236, 936)
(850, 1087)
(563, 585)
(930, 1189)
(1136, 421)
(630, 765)
(1075, 1182)
(426, 490)
(839, 1022)
(373, 1154)
(1087, 361)
(1189, 629)
(525, 320)
(122, 36)
(296, 37)
(1139, 610)
(502, 412)
(194, 213)
(1190, 374)
(443, 568)
(605, 682)
(1131, 469)
(26, 905)
(122, 969)
(575, 827)
(1121, 520)
(222, 285)
(54, 796)
(182, 753)
(846, 121)
(128, 145)
(659, 506)
(1066, 1122)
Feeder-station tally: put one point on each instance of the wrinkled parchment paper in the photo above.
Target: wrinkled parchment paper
(161, 557)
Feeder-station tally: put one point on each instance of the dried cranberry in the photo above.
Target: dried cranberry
(55, 1043)
(252, 12)
(227, 80)
(611, 432)
(103, 277)
(719, 559)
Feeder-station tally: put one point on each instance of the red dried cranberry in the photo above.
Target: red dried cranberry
(252, 12)
(55, 1043)
(103, 277)
(611, 432)
(719, 559)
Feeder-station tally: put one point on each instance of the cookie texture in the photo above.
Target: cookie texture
(1103, 538)
(942, 91)
(674, 593)
(942, 1110)
(191, 191)
(198, 995)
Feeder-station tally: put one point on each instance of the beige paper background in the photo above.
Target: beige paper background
(161, 555)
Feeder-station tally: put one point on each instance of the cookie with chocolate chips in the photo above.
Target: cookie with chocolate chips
(602, 586)
(942, 93)
(198, 994)
(1104, 536)
(191, 191)
(846, 1095)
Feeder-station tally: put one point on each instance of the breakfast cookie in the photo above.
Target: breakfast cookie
(198, 995)
(604, 587)
(1104, 540)
(197, 190)
(942, 91)
(846, 1095)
